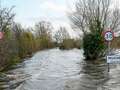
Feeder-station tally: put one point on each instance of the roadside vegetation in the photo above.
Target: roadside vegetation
(19, 43)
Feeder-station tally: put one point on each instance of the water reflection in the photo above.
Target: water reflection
(92, 77)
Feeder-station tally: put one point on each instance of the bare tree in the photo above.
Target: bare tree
(43, 28)
(6, 18)
(90, 14)
(61, 34)
(17, 30)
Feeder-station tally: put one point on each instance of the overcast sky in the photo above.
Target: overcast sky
(28, 12)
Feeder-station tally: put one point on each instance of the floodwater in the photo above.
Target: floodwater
(63, 70)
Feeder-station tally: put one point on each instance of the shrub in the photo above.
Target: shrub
(67, 44)
(78, 44)
(70, 44)
(93, 46)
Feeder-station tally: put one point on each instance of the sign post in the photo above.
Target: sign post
(108, 36)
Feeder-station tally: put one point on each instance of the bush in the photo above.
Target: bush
(67, 44)
(70, 44)
(45, 43)
(78, 43)
(8, 54)
(93, 46)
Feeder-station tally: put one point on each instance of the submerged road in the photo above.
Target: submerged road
(63, 70)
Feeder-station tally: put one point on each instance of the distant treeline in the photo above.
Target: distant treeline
(64, 41)
(19, 42)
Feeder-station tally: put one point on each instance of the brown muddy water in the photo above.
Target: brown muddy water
(61, 70)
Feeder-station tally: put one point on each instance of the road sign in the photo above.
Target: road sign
(1, 35)
(109, 36)
(113, 59)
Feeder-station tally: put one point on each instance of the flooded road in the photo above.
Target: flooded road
(63, 70)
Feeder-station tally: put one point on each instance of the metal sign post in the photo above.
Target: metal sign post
(109, 35)
(109, 54)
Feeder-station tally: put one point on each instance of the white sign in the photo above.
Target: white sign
(109, 36)
(113, 59)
